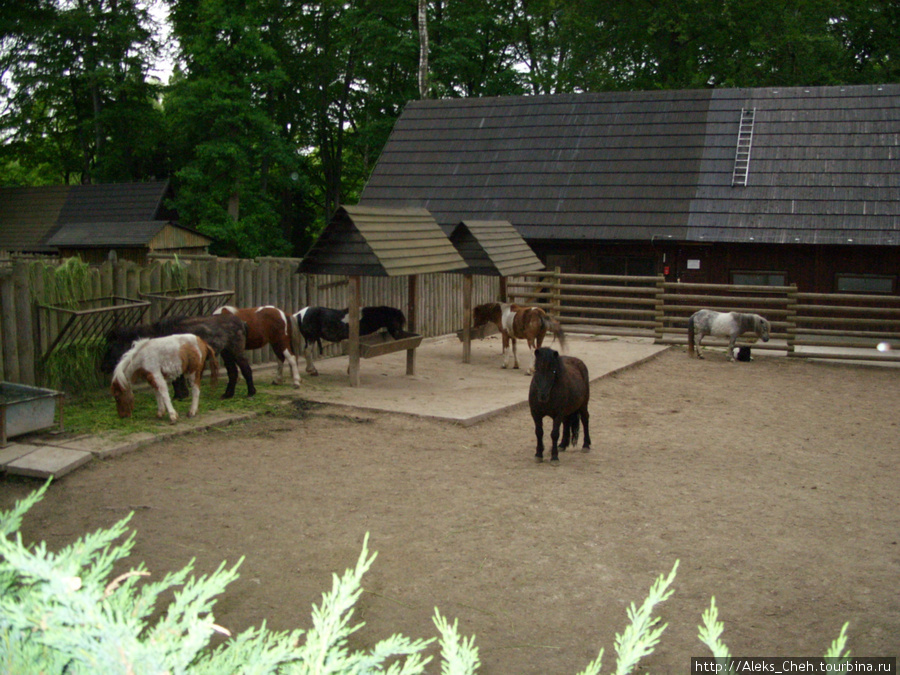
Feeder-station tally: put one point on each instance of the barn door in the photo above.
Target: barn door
(693, 265)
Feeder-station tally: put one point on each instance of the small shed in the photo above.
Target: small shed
(94, 242)
(491, 248)
(381, 241)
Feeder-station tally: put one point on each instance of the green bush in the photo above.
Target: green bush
(64, 613)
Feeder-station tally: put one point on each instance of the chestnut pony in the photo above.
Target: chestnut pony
(159, 361)
(268, 325)
(518, 322)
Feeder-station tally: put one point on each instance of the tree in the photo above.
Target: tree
(76, 90)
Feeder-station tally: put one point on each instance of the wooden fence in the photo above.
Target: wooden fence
(820, 325)
(34, 319)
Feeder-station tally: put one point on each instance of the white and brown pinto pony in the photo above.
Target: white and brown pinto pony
(517, 322)
(723, 324)
(159, 361)
(268, 325)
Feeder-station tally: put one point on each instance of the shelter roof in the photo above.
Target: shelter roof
(494, 248)
(379, 241)
(644, 166)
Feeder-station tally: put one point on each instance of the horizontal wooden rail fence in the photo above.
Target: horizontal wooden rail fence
(813, 325)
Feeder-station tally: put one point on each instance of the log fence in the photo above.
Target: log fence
(811, 325)
(832, 326)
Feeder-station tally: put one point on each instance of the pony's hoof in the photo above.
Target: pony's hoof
(586, 448)
(554, 462)
(538, 460)
(296, 385)
(529, 372)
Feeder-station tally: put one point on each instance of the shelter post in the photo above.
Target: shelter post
(353, 342)
(504, 297)
(412, 320)
(467, 318)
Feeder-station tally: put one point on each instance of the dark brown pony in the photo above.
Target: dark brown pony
(518, 322)
(268, 325)
(560, 389)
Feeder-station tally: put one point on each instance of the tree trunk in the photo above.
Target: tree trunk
(423, 50)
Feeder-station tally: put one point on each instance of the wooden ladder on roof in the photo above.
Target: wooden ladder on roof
(744, 143)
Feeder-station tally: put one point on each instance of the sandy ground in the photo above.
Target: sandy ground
(774, 483)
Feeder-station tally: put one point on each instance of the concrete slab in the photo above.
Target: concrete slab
(14, 451)
(444, 387)
(46, 461)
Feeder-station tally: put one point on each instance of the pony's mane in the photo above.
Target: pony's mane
(125, 361)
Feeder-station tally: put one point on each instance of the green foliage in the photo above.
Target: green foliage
(64, 613)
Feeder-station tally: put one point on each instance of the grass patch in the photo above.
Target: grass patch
(94, 412)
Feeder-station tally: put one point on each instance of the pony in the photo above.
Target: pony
(723, 324)
(560, 389)
(518, 322)
(227, 335)
(160, 360)
(268, 325)
(315, 324)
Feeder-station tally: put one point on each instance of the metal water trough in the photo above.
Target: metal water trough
(479, 333)
(381, 343)
(24, 409)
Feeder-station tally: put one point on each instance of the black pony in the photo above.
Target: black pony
(560, 389)
(226, 334)
(322, 323)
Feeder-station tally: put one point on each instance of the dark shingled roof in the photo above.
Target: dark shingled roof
(649, 165)
(102, 235)
(29, 217)
(494, 248)
(369, 241)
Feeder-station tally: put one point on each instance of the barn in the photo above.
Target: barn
(762, 186)
(93, 221)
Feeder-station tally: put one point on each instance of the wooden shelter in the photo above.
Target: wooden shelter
(377, 241)
(491, 248)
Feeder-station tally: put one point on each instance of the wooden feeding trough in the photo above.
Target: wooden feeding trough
(380, 343)
(376, 241)
(492, 248)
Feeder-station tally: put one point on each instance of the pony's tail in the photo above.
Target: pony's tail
(691, 336)
(213, 362)
(573, 423)
(558, 332)
(294, 328)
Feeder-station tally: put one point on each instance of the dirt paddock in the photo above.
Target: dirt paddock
(775, 483)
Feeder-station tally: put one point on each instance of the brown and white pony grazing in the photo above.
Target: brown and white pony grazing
(159, 361)
(518, 322)
(268, 325)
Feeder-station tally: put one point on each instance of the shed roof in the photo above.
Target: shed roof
(379, 241)
(494, 248)
(126, 234)
(30, 216)
(655, 165)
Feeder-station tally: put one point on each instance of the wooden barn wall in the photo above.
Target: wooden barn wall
(814, 269)
(265, 281)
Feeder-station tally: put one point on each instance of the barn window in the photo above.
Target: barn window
(866, 283)
(759, 278)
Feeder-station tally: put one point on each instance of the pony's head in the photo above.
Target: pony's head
(547, 366)
(124, 396)
(762, 328)
(482, 314)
